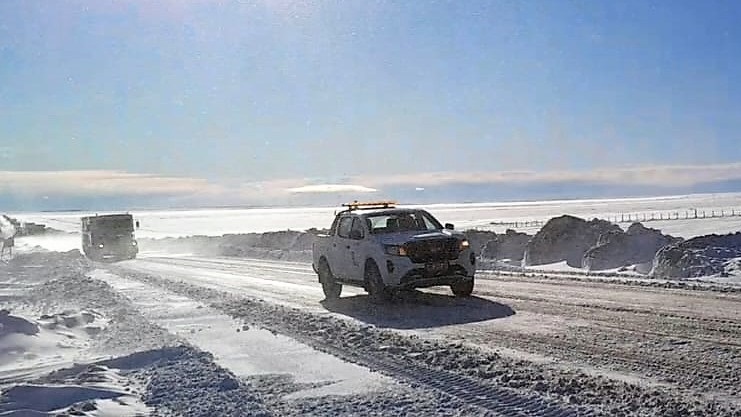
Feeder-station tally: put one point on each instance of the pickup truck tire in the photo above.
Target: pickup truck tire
(463, 288)
(374, 284)
(331, 288)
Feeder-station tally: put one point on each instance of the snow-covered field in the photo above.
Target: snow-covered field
(216, 222)
(189, 335)
(159, 224)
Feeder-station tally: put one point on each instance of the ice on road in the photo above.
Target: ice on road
(245, 351)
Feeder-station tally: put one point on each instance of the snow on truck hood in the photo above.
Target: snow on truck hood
(399, 238)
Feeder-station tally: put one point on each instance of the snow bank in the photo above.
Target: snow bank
(12, 324)
(31, 347)
(297, 246)
(285, 245)
(68, 319)
(511, 246)
(167, 381)
(704, 256)
(565, 238)
(616, 249)
(40, 398)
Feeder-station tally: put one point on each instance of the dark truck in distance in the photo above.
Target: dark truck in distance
(383, 249)
(109, 237)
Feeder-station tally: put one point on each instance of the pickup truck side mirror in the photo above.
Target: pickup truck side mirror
(356, 234)
(449, 226)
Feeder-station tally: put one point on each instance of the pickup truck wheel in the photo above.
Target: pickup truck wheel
(330, 287)
(376, 290)
(462, 288)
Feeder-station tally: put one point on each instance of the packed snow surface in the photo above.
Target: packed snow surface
(173, 336)
(244, 350)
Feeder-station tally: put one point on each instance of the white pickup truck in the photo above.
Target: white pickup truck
(383, 249)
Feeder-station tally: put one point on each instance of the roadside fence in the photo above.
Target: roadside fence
(642, 217)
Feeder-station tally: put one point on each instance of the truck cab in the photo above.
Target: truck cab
(109, 237)
(384, 249)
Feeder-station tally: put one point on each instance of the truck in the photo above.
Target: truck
(109, 237)
(385, 249)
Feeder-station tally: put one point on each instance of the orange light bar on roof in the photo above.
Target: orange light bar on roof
(369, 205)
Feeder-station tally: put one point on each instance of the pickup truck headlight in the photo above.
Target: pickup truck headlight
(465, 244)
(396, 250)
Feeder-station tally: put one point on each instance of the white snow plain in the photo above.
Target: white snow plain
(216, 222)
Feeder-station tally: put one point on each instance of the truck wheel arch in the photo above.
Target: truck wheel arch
(369, 262)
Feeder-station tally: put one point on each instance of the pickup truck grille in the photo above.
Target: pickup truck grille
(432, 250)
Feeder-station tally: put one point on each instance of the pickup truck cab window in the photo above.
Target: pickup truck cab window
(357, 232)
(344, 227)
(333, 228)
(402, 221)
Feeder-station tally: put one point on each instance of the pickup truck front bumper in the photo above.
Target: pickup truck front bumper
(432, 281)
(402, 273)
(422, 278)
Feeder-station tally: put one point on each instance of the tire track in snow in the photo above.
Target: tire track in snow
(500, 400)
(607, 352)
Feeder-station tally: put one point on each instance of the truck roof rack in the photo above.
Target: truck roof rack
(369, 205)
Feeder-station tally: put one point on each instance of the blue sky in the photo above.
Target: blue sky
(237, 102)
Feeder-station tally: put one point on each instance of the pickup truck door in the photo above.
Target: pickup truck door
(355, 247)
(339, 250)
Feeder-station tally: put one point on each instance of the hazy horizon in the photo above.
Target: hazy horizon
(340, 202)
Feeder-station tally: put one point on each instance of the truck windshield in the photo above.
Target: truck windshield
(392, 222)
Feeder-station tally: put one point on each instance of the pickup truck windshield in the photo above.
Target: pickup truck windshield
(392, 222)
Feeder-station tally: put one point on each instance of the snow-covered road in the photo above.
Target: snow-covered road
(687, 341)
(186, 335)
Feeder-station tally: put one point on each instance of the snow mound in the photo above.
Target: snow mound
(52, 263)
(51, 398)
(90, 322)
(566, 238)
(285, 245)
(616, 249)
(479, 239)
(30, 347)
(510, 245)
(711, 255)
(12, 324)
(84, 390)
